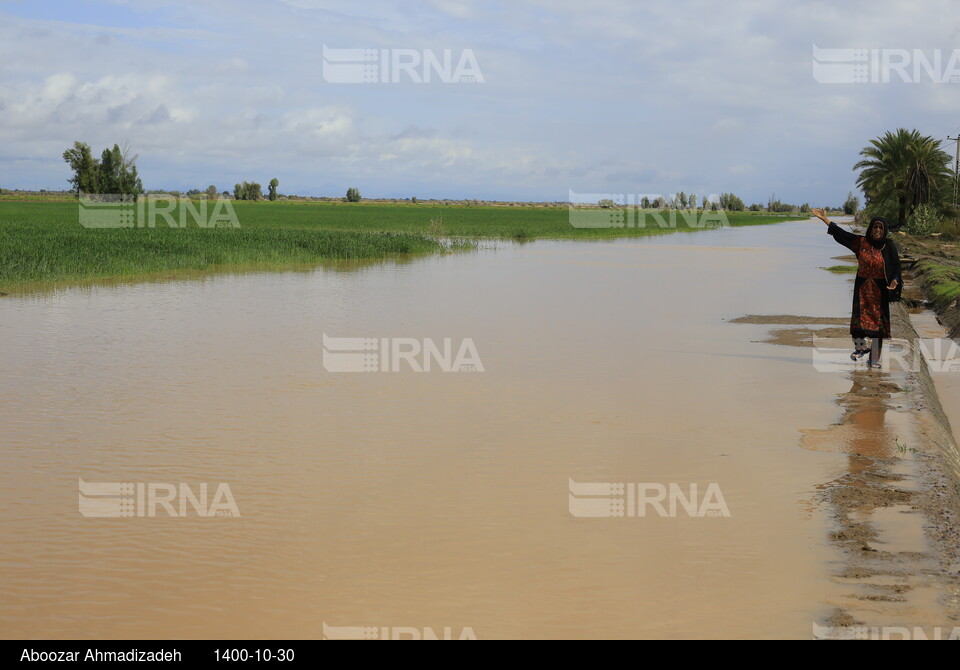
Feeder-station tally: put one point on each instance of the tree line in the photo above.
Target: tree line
(115, 173)
(726, 201)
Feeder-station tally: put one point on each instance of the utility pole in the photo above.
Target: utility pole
(956, 167)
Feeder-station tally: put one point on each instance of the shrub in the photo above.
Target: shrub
(923, 220)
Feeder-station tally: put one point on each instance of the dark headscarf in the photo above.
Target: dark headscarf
(878, 244)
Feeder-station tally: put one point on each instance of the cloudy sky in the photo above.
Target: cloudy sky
(589, 97)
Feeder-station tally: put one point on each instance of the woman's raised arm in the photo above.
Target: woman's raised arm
(844, 237)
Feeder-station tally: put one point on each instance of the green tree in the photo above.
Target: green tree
(130, 182)
(730, 202)
(774, 205)
(274, 183)
(851, 204)
(114, 173)
(353, 194)
(108, 178)
(211, 192)
(248, 191)
(905, 169)
(81, 161)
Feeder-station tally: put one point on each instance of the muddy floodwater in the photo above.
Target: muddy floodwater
(431, 500)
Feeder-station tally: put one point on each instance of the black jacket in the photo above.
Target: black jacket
(891, 257)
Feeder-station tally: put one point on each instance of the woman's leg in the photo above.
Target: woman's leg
(876, 350)
(859, 348)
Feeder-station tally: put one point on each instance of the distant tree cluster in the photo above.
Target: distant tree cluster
(730, 202)
(774, 205)
(210, 193)
(248, 191)
(684, 201)
(114, 173)
(353, 194)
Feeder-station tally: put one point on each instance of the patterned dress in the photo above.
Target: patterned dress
(871, 297)
(871, 306)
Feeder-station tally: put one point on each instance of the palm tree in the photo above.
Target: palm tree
(906, 166)
(929, 173)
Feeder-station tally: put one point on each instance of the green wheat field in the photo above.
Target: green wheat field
(43, 241)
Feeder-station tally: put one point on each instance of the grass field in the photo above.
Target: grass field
(44, 242)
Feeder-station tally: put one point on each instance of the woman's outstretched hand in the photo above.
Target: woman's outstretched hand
(820, 214)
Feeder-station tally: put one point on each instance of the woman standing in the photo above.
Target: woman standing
(878, 284)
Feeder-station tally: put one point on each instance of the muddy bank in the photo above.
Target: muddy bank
(797, 337)
(787, 319)
(933, 264)
(896, 483)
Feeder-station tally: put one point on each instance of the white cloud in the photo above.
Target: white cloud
(610, 96)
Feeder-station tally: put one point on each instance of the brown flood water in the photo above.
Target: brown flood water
(428, 499)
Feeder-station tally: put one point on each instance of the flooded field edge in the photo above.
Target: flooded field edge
(450, 244)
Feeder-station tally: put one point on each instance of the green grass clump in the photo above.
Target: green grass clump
(43, 242)
(943, 281)
(841, 269)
